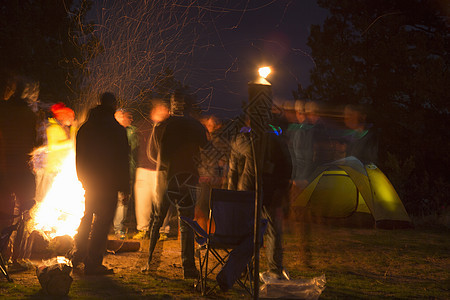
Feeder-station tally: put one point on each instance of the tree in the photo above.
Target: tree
(393, 56)
(37, 41)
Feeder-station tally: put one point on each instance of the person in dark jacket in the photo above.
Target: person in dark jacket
(17, 184)
(180, 139)
(276, 174)
(102, 162)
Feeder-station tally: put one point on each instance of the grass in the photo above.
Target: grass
(357, 263)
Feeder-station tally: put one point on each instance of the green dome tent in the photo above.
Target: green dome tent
(347, 190)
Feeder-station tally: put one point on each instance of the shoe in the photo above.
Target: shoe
(163, 237)
(281, 274)
(190, 273)
(146, 268)
(141, 235)
(120, 235)
(98, 270)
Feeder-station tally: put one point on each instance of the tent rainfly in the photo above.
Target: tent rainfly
(346, 188)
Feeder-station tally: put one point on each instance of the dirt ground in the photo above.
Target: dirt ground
(358, 264)
(164, 280)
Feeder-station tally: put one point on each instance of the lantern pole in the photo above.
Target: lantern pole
(258, 111)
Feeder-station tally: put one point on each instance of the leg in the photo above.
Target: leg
(187, 240)
(81, 239)
(119, 216)
(166, 225)
(143, 187)
(104, 214)
(274, 248)
(160, 206)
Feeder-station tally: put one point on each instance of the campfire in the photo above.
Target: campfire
(61, 210)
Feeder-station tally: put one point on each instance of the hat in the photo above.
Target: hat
(61, 112)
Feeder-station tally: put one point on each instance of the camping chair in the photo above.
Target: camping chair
(5, 235)
(233, 215)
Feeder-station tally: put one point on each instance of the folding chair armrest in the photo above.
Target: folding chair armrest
(198, 230)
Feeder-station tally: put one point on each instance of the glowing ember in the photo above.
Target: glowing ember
(63, 207)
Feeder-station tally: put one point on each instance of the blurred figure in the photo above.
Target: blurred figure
(301, 146)
(102, 161)
(17, 183)
(213, 168)
(364, 139)
(327, 145)
(60, 134)
(179, 152)
(125, 118)
(275, 183)
(147, 192)
(290, 112)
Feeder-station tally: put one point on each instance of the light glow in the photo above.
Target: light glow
(264, 72)
(61, 210)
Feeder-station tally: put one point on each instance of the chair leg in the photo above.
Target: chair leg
(3, 269)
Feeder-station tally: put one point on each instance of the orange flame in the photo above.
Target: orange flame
(61, 210)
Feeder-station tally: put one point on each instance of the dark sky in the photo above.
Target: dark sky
(235, 39)
(273, 35)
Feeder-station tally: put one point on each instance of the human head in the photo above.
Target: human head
(355, 117)
(312, 111)
(124, 117)
(211, 123)
(299, 107)
(63, 114)
(109, 100)
(289, 111)
(159, 111)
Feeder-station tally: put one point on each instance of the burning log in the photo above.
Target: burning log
(39, 243)
(54, 276)
(60, 245)
(42, 247)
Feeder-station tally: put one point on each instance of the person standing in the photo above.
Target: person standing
(145, 189)
(102, 163)
(125, 118)
(276, 174)
(17, 183)
(60, 133)
(364, 137)
(180, 140)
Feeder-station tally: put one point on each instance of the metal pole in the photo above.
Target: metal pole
(258, 111)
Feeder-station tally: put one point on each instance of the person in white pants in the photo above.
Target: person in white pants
(146, 187)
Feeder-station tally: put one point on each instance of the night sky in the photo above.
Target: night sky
(274, 35)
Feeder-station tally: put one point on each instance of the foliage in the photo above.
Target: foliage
(393, 56)
(35, 42)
